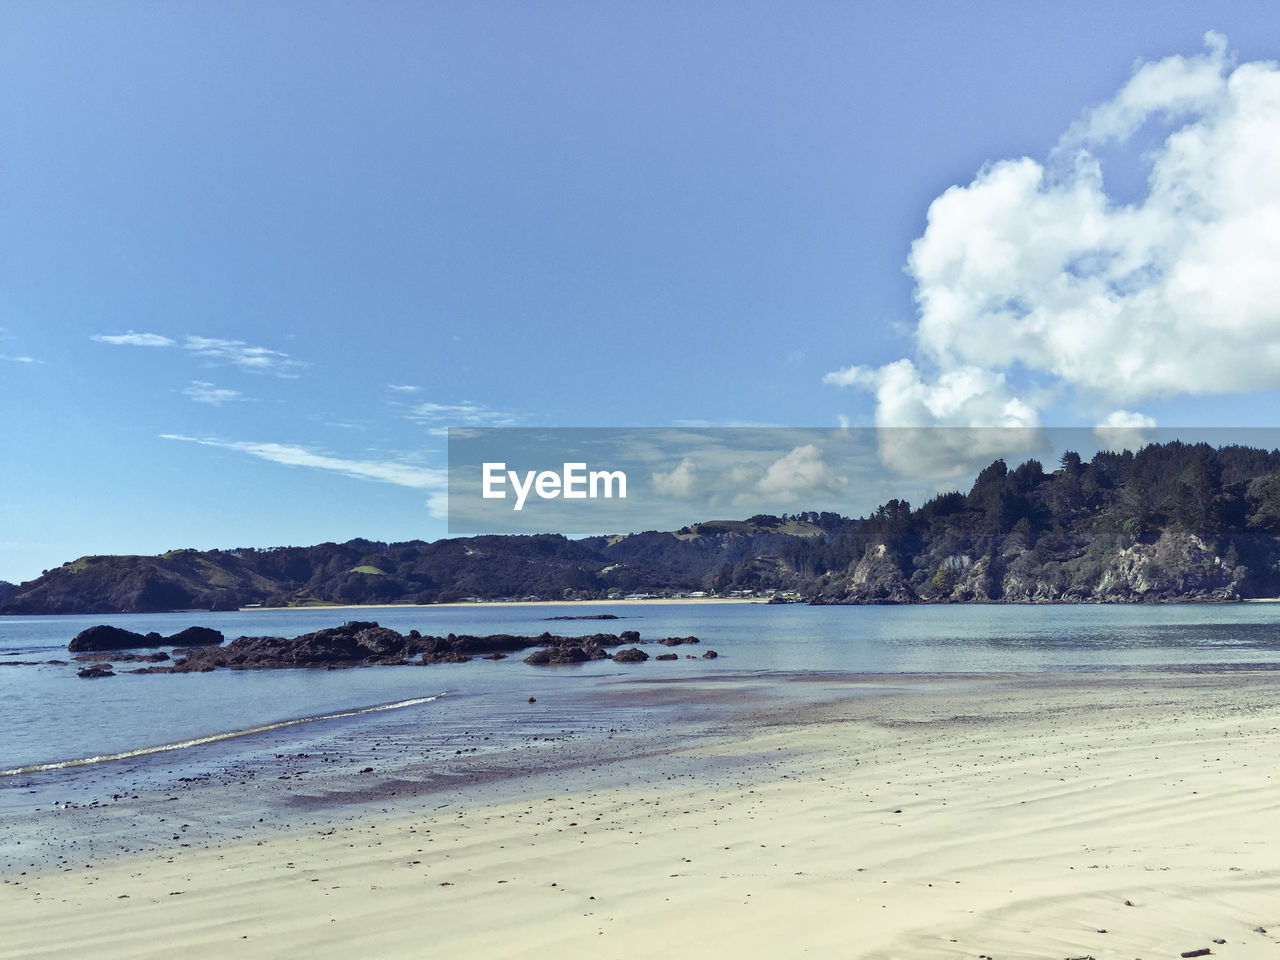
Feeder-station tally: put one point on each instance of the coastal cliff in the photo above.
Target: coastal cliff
(1176, 566)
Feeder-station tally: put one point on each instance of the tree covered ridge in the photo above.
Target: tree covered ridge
(1171, 521)
(1200, 520)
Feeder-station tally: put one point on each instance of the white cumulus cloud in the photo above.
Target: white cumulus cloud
(1125, 430)
(1033, 283)
(680, 481)
(801, 472)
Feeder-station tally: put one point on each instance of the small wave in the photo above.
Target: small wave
(215, 737)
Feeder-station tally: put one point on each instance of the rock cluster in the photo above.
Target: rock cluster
(358, 643)
(103, 637)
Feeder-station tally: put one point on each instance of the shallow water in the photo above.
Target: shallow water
(51, 716)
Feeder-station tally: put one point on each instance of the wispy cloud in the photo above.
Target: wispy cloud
(215, 351)
(132, 339)
(201, 391)
(4, 356)
(339, 423)
(441, 416)
(465, 413)
(402, 388)
(383, 471)
(242, 355)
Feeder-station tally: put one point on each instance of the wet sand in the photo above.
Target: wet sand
(1131, 815)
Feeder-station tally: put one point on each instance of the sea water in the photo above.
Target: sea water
(51, 719)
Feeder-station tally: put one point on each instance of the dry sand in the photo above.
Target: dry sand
(1129, 816)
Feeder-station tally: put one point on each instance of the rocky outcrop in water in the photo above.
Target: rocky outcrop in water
(630, 655)
(361, 643)
(105, 637)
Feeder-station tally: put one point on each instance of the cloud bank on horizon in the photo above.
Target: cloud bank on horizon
(1034, 286)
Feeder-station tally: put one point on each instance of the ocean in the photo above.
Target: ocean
(71, 740)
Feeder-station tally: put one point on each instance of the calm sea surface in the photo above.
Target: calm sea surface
(49, 716)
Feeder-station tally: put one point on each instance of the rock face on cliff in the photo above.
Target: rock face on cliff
(877, 578)
(1175, 566)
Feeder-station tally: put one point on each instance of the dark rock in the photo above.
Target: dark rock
(630, 655)
(194, 637)
(104, 637)
(354, 644)
(629, 636)
(710, 655)
(553, 656)
(494, 643)
(97, 670)
(677, 641)
(379, 641)
(667, 656)
(594, 616)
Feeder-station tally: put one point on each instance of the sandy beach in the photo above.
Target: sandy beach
(1112, 816)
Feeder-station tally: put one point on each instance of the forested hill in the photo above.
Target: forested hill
(1172, 522)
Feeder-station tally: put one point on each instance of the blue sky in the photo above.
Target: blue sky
(256, 257)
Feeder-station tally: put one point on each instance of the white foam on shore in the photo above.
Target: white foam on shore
(215, 737)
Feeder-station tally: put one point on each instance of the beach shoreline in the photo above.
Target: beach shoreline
(871, 816)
